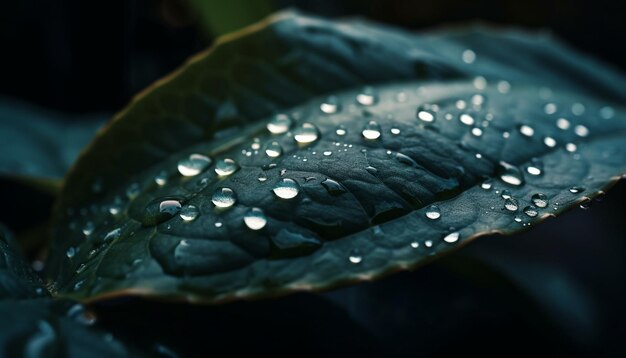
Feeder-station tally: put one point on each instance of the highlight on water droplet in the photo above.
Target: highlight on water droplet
(576, 189)
(306, 133)
(193, 165)
(273, 149)
(371, 130)
(466, 119)
(526, 130)
(531, 211)
(224, 198)
(279, 124)
(468, 56)
(367, 97)
(286, 188)
(425, 115)
(451, 238)
(189, 212)
(540, 200)
(511, 204)
(510, 174)
(330, 105)
(355, 256)
(225, 167)
(341, 130)
(255, 219)
(581, 130)
(433, 212)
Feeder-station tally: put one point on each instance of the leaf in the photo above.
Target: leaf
(33, 325)
(365, 183)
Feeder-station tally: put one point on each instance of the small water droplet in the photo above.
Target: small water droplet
(367, 97)
(576, 189)
(586, 203)
(466, 119)
(550, 108)
(504, 87)
(71, 251)
(535, 167)
(371, 130)
(581, 130)
(262, 177)
(226, 167)
(540, 200)
(161, 178)
(189, 212)
(286, 188)
(607, 112)
(517, 219)
(355, 256)
(506, 194)
(433, 212)
(487, 184)
(327, 153)
(395, 131)
(218, 224)
(571, 147)
(255, 219)
(224, 198)
(133, 191)
(279, 124)
(193, 165)
(450, 238)
(273, 149)
(480, 82)
(406, 160)
(531, 211)
(526, 130)
(113, 234)
(370, 169)
(306, 133)
(333, 187)
(511, 204)
(415, 244)
(510, 174)
(330, 105)
(477, 132)
(88, 228)
(468, 56)
(549, 142)
(425, 115)
(341, 130)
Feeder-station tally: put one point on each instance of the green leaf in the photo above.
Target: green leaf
(17, 279)
(364, 186)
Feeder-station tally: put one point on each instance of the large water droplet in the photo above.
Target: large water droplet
(451, 238)
(273, 149)
(224, 197)
(279, 124)
(367, 97)
(433, 212)
(540, 200)
(510, 174)
(306, 133)
(226, 167)
(371, 130)
(531, 211)
(189, 212)
(193, 165)
(255, 219)
(511, 204)
(333, 187)
(330, 105)
(286, 188)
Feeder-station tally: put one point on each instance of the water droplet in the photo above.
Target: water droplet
(571, 147)
(333, 187)
(549, 142)
(581, 130)
(425, 115)
(535, 167)
(540, 200)
(88, 228)
(161, 178)
(395, 131)
(262, 177)
(550, 108)
(406, 160)
(433, 212)
(355, 256)
(466, 119)
(70, 252)
(273, 149)
(562, 123)
(607, 112)
(510, 174)
(255, 219)
(193, 165)
(506, 135)
(189, 212)
(576, 189)
(341, 130)
(367, 97)
(468, 56)
(526, 130)
(517, 219)
(226, 167)
(578, 109)
(477, 132)
(286, 188)
(531, 211)
(371, 170)
(586, 203)
(113, 234)
(487, 184)
(415, 244)
(305, 134)
(224, 198)
(330, 105)
(371, 130)
(450, 238)
(327, 153)
(218, 224)
(480, 82)
(429, 243)
(506, 194)
(511, 204)
(133, 191)
(279, 124)
(504, 87)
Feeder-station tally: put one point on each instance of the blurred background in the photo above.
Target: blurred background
(558, 289)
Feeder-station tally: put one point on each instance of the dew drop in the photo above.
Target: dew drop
(531, 211)
(88, 228)
(305, 134)
(425, 115)
(581, 130)
(477, 132)
(226, 167)
(576, 189)
(255, 219)
(193, 165)
(279, 124)
(286, 188)
(273, 149)
(370, 169)
(367, 97)
(224, 198)
(607, 112)
(189, 212)
(341, 130)
(526, 130)
(571, 147)
(262, 177)
(562, 123)
(355, 256)
(433, 212)
(480, 82)
(517, 219)
(540, 200)
(549, 142)
(406, 160)
(550, 108)
(330, 105)
(415, 244)
(504, 87)
(585, 204)
(327, 153)
(133, 191)
(506, 194)
(468, 56)
(395, 131)
(466, 119)
(450, 238)
(487, 184)
(161, 178)
(511, 204)
(70, 252)
(510, 174)
(333, 187)
(371, 130)
(535, 167)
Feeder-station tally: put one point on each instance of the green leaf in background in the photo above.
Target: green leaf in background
(221, 17)
(303, 154)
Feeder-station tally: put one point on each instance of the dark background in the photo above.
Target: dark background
(557, 289)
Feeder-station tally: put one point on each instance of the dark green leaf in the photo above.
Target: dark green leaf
(363, 205)
(17, 279)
